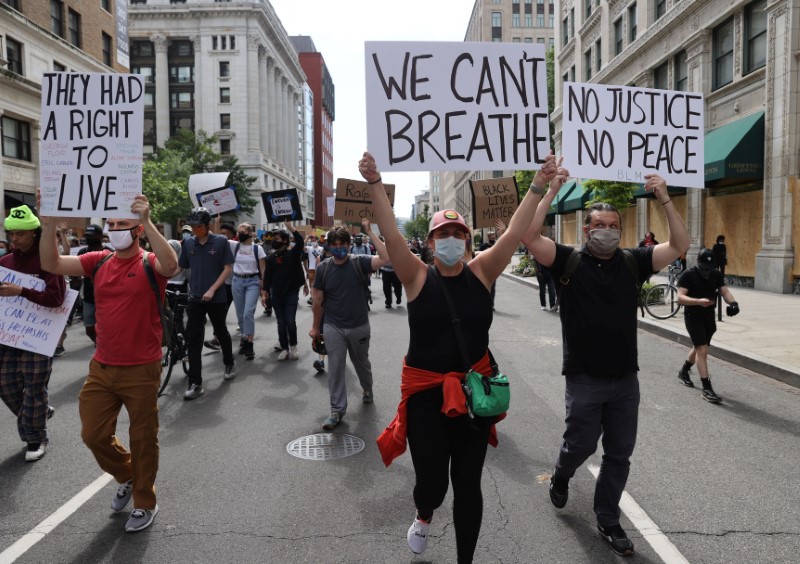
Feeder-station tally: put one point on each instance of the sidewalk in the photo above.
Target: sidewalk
(764, 337)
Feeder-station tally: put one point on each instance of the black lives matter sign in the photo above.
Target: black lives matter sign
(456, 106)
(91, 150)
(621, 133)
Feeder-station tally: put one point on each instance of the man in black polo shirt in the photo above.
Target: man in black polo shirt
(598, 320)
(211, 261)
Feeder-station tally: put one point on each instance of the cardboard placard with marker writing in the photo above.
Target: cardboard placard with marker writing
(353, 201)
(493, 199)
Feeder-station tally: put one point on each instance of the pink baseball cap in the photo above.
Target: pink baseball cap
(447, 217)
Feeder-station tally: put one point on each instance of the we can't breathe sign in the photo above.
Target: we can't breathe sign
(456, 106)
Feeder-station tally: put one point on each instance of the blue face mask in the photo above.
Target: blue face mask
(450, 250)
(339, 252)
(2, 252)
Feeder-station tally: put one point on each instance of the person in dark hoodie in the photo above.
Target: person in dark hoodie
(24, 375)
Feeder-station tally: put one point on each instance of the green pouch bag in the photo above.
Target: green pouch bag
(487, 396)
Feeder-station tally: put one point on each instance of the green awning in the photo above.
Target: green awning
(736, 150)
(558, 201)
(672, 190)
(575, 200)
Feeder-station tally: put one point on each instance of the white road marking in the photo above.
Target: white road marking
(41, 530)
(647, 527)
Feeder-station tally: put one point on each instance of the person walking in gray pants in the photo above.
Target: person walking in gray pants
(341, 293)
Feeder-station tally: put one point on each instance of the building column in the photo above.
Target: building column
(263, 121)
(272, 113)
(775, 260)
(253, 105)
(161, 43)
(199, 115)
(282, 122)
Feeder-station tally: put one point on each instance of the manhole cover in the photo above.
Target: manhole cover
(325, 446)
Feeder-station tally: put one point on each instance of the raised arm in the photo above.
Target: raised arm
(166, 259)
(409, 268)
(489, 264)
(542, 248)
(51, 261)
(678, 243)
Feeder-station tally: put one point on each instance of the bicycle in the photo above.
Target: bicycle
(661, 300)
(176, 351)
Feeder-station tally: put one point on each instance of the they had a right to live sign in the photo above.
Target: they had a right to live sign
(622, 133)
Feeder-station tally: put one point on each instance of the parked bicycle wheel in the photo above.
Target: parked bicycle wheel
(661, 301)
(168, 360)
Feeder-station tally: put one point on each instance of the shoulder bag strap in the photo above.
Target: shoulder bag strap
(462, 345)
(100, 263)
(151, 277)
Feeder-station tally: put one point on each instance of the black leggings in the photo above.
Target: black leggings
(438, 443)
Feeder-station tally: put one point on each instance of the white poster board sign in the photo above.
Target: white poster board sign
(621, 133)
(91, 149)
(206, 182)
(219, 201)
(26, 325)
(456, 106)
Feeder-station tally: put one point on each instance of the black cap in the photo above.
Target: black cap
(198, 216)
(706, 258)
(93, 230)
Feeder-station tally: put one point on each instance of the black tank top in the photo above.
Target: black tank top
(433, 345)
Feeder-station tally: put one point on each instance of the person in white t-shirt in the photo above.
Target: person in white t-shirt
(313, 256)
(248, 271)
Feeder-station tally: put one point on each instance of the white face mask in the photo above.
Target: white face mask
(120, 240)
(450, 250)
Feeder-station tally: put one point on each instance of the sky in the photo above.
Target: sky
(339, 29)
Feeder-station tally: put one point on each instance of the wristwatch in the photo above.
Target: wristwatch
(536, 190)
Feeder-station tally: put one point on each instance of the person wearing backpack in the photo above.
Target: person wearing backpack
(126, 366)
(248, 270)
(339, 294)
(597, 302)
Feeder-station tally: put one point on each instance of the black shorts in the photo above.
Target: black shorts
(701, 328)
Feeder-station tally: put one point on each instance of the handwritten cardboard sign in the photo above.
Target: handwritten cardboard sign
(27, 326)
(492, 199)
(621, 133)
(91, 150)
(457, 106)
(282, 205)
(353, 201)
(219, 200)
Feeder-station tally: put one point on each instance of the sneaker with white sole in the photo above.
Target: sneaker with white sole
(122, 497)
(294, 354)
(194, 392)
(230, 371)
(284, 354)
(35, 451)
(332, 421)
(140, 519)
(418, 536)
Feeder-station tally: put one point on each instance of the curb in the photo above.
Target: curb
(757, 364)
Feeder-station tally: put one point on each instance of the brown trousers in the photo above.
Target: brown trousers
(106, 390)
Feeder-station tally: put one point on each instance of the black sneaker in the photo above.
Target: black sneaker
(60, 351)
(617, 539)
(212, 344)
(319, 366)
(710, 396)
(559, 491)
(683, 376)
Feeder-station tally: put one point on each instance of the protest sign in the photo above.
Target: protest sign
(219, 200)
(206, 182)
(353, 201)
(27, 326)
(282, 205)
(492, 199)
(621, 133)
(456, 106)
(330, 202)
(91, 149)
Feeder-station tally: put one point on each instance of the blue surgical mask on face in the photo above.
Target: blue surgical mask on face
(339, 252)
(450, 250)
(2, 252)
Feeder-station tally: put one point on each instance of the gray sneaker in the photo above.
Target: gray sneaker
(332, 422)
(194, 392)
(140, 519)
(122, 498)
(230, 371)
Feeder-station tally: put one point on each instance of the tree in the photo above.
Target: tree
(419, 227)
(618, 194)
(165, 175)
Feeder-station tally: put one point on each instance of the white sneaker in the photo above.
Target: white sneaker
(293, 353)
(35, 454)
(284, 355)
(418, 536)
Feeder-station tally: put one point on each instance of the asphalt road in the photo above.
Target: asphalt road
(720, 481)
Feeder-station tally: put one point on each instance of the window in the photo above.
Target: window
(58, 67)
(588, 4)
(551, 20)
(565, 31)
(138, 1)
(540, 40)
(177, 123)
(516, 40)
(514, 20)
(14, 55)
(540, 20)
(233, 42)
(572, 73)
(723, 54)
(149, 101)
(183, 74)
(619, 42)
(142, 49)
(223, 40)
(12, 3)
(224, 121)
(16, 139)
(74, 28)
(107, 49)
(225, 146)
(213, 42)
(497, 29)
(496, 1)
(224, 95)
(177, 1)
(661, 77)
(755, 32)
(106, 5)
(57, 17)
(529, 39)
(180, 48)
(661, 8)
(224, 69)
(146, 71)
(497, 19)
(598, 55)
(587, 65)
(528, 20)
(632, 23)
(551, 42)
(181, 100)
(681, 72)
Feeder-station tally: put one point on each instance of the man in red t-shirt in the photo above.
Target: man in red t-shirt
(126, 368)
